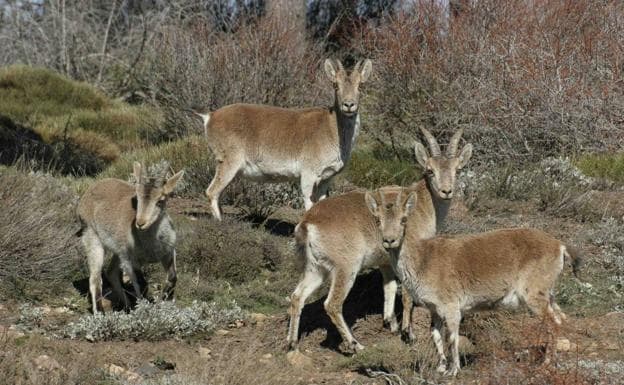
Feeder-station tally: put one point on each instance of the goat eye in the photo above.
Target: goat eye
(404, 220)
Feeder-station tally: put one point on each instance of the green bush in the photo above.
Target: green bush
(50, 103)
(609, 166)
(375, 168)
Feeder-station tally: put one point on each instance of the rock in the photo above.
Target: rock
(46, 363)
(204, 353)
(237, 324)
(147, 370)
(61, 310)
(466, 346)
(562, 344)
(107, 305)
(222, 332)
(45, 309)
(125, 374)
(267, 356)
(258, 318)
(14, 332)
(297, 359)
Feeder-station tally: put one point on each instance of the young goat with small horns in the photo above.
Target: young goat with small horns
(129, 221)
(454, 275)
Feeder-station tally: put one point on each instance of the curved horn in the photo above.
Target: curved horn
(451, 150)
(356, 67)
(434, 147)
(339, 63)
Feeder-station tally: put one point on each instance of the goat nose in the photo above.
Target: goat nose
(140, 223)
(447, 192)
(349, 105)
(389, 242)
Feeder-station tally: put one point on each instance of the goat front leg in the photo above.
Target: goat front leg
(128, 269)
(170, 267)
(390, 290)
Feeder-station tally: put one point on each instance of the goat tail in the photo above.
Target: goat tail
(204, 114)
(574, 255)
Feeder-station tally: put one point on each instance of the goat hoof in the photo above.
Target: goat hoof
(393, 326)
(452, 372)
(407, 336)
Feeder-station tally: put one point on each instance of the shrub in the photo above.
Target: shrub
(27, 148)
(228, 250)
(162, 319)
(197, 65)
(609, 166)
(40, 252)
(525, 82)
(554, 185)
(56, 107)
(378, 167)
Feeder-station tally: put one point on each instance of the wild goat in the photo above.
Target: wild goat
(338, 237)
(129, 221)
(272, 144)
(454, 275)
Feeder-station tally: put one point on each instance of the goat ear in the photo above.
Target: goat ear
(410, 202)
(138, 176)
(365, 70)
(172, 182)
(330, 70)
(464, 156)
(371, 203)
(421, 154)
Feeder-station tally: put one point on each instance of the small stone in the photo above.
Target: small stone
(204, 353)
(239, 323)
(258, 318)
(562, 344)
(222, 332)
(61, 310)
(46, 363)
(267, 356)
(128, 375)
(147, 370)
(298, 359)
(466, 346)
(45, 309)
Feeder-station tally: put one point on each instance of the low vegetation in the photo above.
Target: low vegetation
(147, 321)
(40, 251)
(69, 113)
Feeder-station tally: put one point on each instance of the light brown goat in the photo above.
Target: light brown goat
(338, 237)
(270, 144)
(454, 275)
(129, 221)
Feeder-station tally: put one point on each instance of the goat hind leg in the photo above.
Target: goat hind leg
(341, 283)
(311, 279)
(225, 172)
(95, 259)
(170, 267)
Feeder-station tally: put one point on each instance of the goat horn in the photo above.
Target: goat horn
(454, 143)
(339, 63)
(434, 147)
